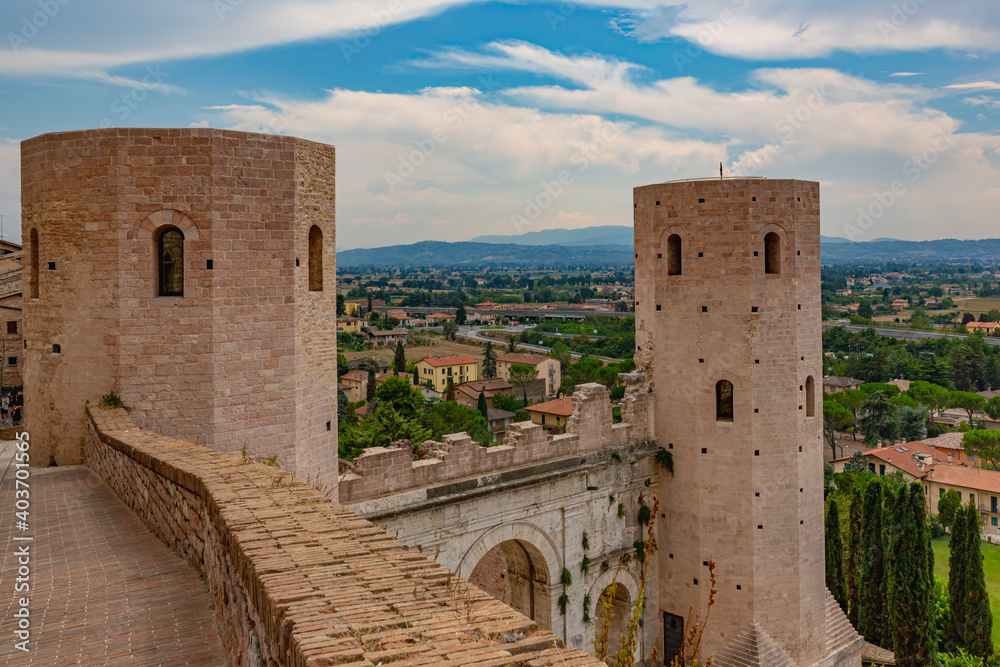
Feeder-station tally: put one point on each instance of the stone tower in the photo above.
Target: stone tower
(192, 273)
(727, 277)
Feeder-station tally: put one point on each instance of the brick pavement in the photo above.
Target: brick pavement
(105, 590)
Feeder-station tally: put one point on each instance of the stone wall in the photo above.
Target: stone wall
(380, 471)
(297, 579)
(247, 355)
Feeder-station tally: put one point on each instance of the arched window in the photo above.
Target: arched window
(724, 401)
(674, 255)
(772, 253)
(810, 397)
(33, 278)
(315, 259)
(170, 262)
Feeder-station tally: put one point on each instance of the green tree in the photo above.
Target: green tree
(483, 407)
(522, 376)
(342, 365)
(932, 396)
(853, 565)
(835, 556)
(451, 417)
(340, 305)
(865, 309)
(561, 352)
(912, 423)
(385, 426)
(511, 344)
(489, 362)
(461, 317)
(835, 418)
(970, 604)
(399, 358)
(852, 399)
(948, 505)
(879, 420)
(966, 400)
(992, 408)
(449, 392)
(402, 396)
(910, 580)
(873, 604)
(857, 463)
(984, 445)
(370, 394)
(967, 364)
(416, 376)
(958, 564)
(449, 329)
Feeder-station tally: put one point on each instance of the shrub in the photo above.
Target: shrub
(110, 400)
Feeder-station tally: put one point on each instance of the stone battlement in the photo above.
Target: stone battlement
(297, 579)
(381, 471)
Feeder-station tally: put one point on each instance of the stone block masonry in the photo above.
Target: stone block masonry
(241, 349)
(381, 471)
(297, 579)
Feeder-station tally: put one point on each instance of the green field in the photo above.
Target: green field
(991, 566)
(977, 305)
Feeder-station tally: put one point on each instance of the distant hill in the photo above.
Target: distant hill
(942, 250)
(833, 239)
(468, 253)
(600, 235)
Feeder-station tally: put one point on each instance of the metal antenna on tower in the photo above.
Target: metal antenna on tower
(720, 171)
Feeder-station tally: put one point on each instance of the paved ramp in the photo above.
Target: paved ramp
(104, 590)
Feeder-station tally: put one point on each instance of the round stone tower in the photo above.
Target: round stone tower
(727, 275)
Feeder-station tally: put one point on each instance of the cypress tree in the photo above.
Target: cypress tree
(979, 618)
(909, 583)
(957, 565)
(873, 607)
(399, 359)
(835, 556)
(483, 407)
(854, 560)
(489, 362)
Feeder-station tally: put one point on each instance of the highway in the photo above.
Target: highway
(909, 334)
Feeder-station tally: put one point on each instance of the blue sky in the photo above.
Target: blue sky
(455, 119)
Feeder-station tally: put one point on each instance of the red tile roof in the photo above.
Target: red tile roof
(453, 360)
(520, 358)
(561, 407)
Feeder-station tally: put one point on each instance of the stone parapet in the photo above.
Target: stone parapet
(381, 471)
(297, 579)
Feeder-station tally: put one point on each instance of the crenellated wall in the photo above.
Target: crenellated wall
(381, 471)
(297, 579)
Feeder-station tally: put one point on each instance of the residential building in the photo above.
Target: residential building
(382, 338)
(468, 393)
(400, 316)
(11, 333)
(355, 385)
(439, 318)
(552, 414)
(834, 384)
(348, 324)
(499, 422)
(900, 304)
(439, 370)
(381, 365)
(986, 328)
(547, 367)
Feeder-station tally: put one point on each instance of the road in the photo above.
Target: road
(908, 334)
(472, 333)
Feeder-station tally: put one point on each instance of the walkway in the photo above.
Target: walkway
(104, 590)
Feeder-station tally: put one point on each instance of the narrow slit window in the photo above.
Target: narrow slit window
(33, 279)
(810, 397)
(724, 401)
(772, 253)
(315, 259)
(170, 255)
(674, 255)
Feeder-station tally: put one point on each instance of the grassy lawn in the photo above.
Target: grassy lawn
(991, 566)
(978, 305)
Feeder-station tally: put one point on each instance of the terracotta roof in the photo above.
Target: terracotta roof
(903, 385)
(348, 318)
(489, 387)
(356, 376)
(947, 441)
(874, 654)
(972, 478)
(440, 316)
(901, 456)
(385, 376)
(561, 407)
(520, 358)
(384, 332)
(454, 360)
(497, 414)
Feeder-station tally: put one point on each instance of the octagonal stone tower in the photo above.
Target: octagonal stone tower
(727, 277)
(191, 272)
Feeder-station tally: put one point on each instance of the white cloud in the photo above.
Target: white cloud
(976, 85)
(907, 74)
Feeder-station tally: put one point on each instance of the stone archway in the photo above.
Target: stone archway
(515, 572)
(518, 564)
(624, 590)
